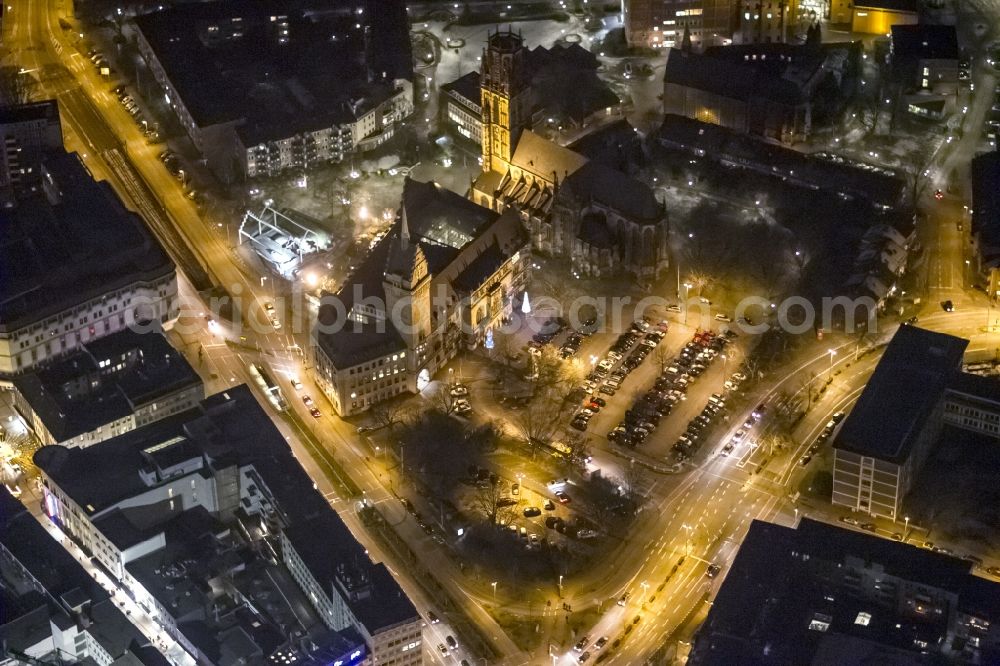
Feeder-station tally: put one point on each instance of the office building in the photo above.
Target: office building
(106, 387)
(305, 85)
(443, 278)
(462, 108)
(660, 24)
(876, 17)
(180, 513)
(75, 265)
(51, 610)
(600, 219)
(917, 389)
(925, 67)
(819, 594)
(28, 133)
(985, 230)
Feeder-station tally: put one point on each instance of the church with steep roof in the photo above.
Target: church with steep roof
(600, 219)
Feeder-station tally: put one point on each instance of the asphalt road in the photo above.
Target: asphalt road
(702, 516)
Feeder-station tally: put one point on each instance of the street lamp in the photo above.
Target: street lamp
(906, 527)
(645, 587)
(687, 287)
(560, 585)
(494, 591)
(687, 528)
(832, 352)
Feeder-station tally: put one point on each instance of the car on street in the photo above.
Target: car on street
(315, 413)
(307, 400)
(584, 657)
(442, 649)
(296, 384)
(624, 598)
(562, 497)
(947, 306)
(804, 460)
(582, 643)
(459, 391)
(452, 643)
(849, 520)
(532, 511)
(601, 642)
(432, 617)
(549, 505)
(713, 570)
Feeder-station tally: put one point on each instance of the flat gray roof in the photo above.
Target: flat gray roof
(909, 381)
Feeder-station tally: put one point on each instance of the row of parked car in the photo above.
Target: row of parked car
(624, 356)
(669, 389)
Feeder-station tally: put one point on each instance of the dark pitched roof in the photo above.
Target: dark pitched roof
(818, 171)
(54, 256)
(925, 41)
(727, 74)
(909, 380)
(466, 87)
(618, 191)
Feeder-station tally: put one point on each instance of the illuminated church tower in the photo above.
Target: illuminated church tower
(505, 98)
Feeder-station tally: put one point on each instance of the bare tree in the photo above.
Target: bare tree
(443, 400)
(560, 291)
(538, 423)
(578, 448)
(631, 482)
(15, 87)
(662, 357)
(491, 499)
(390, 414)
(555, 374)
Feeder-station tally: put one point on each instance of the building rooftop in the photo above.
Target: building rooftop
(286, 69)
(46, 110)
(801, 596)
(909, 380)
(26, 618)
(623, 193)
(226, 426)
(924, 41)
(986, 202)
(383, 603)
(545, 159)
(816, 171)
(58, 251)
(104, 380)
(466, 87)
(459, 240)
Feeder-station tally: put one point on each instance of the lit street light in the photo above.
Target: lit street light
(832, 352)
(495, 591)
